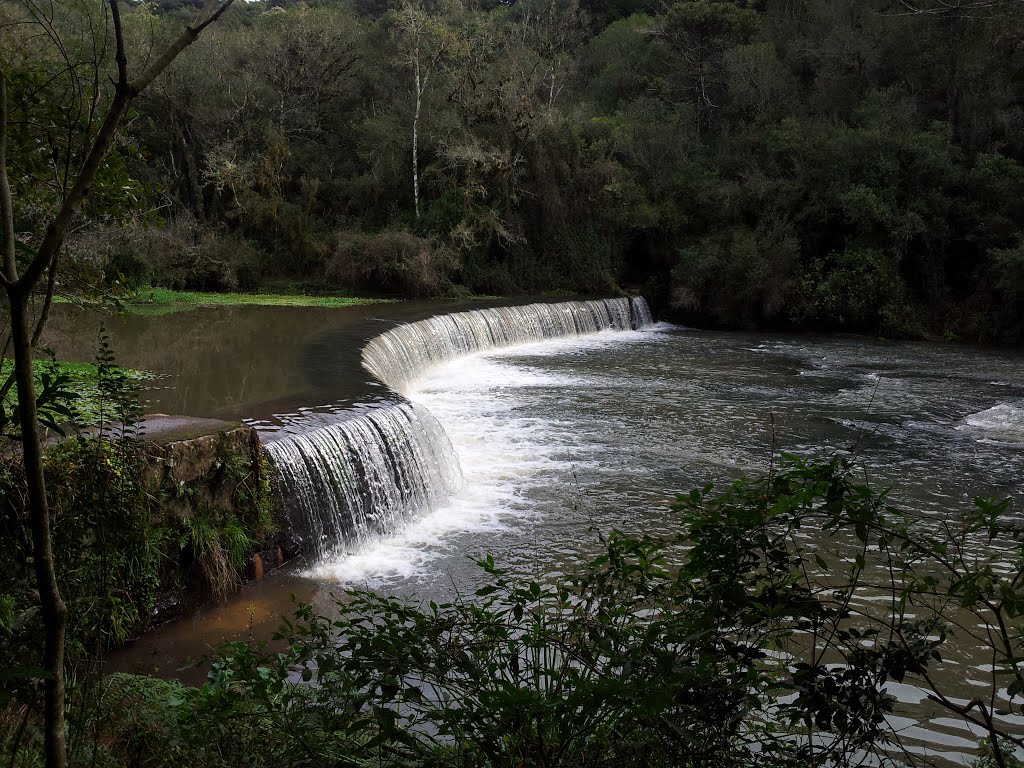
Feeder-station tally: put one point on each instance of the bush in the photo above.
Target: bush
(737, 276)
(395, 261)
(1005, 302)
(661, 651)
(181, 254)
(848, 291)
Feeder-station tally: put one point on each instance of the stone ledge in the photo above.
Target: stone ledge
(163, 429)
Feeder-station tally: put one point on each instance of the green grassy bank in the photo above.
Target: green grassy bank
(161, 301)
(167, 297)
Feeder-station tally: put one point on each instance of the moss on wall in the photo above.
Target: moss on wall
(142, 532)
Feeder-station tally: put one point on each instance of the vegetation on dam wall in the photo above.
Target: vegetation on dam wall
(142, 532)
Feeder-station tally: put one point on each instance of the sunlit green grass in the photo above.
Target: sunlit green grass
(162, 301)
(165, 296)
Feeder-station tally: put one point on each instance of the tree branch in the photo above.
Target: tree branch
(184, 41)
(119, 56)
(951, 8)
(10, 267)
(124, 92)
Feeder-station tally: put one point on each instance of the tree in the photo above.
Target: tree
(701, 31)
(19, 285)
(428, 41)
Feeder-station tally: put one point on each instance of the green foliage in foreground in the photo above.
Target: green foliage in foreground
(71, 392)
(741, 641)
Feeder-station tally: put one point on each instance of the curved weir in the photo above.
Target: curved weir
(367, 475)
(400, 355)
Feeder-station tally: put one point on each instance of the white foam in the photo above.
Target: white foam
(1001, 423)
(503, 450)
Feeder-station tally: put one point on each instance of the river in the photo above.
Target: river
(559, 440)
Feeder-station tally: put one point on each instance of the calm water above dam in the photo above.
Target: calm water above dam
(556, 440)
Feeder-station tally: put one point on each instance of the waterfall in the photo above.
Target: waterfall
(400, 355)
(367, 475)
(641, 313)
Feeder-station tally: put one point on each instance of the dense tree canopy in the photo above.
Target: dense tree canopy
(839, 164)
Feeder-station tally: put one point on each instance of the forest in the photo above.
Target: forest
(843, 584)
(851, 165)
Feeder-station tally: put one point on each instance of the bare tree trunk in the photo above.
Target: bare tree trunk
(952, 76)
(53, 609)
(417, 25)
(55, 612)
(19, 289)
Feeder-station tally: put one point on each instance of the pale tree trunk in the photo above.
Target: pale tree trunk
(416, 25)
(18, 289)
(54, 611)
(416, 129)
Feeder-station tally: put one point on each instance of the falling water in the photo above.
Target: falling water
(367, 475)
(402, 354)
(364, 476)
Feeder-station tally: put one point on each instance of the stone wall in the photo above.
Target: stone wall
(217, 477)
(144, 529)
(185, 474)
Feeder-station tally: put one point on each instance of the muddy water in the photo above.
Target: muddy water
(261, 364)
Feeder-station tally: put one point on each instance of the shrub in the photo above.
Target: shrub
(736, 276)
(848, 291)
(180, 254)
(394, 260)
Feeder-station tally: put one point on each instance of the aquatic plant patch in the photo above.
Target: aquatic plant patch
(165, 296)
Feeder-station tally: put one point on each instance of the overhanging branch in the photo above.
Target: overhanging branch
(124, 92)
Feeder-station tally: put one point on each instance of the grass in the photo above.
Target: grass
(167, 297)
(86, 374)
(163, 301)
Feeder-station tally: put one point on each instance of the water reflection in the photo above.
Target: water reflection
(245, 362)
